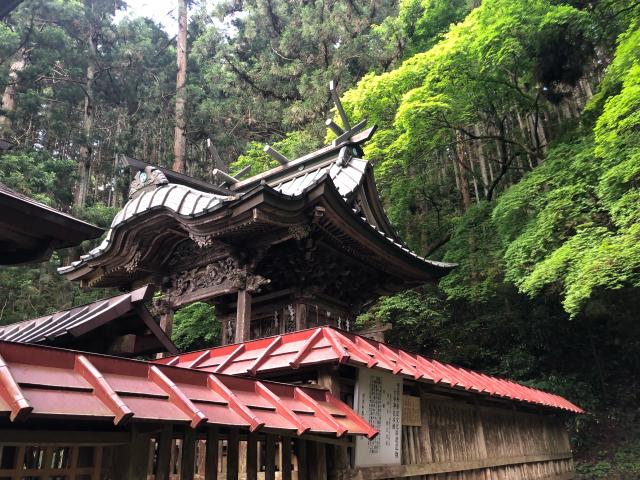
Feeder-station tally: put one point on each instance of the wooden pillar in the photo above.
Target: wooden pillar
(301, 316)
(252, 456)
(301, 452)
(166, 321)
(232, 454)
(243, 317)
(211, 463)
(188, 460)
(329, 378)
(285, 471)
(319, 459)
(138, 454)
(163, 462)
(270, 460)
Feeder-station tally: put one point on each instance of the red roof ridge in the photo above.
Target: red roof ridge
(314, 344)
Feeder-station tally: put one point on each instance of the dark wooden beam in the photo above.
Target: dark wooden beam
(285, 473)
(156, 329)
(138, 454)
(301, 452)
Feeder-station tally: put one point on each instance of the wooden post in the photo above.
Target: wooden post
(243, 317)
(301, 316)
(252, 457)
(138, 454)
(329, 378)
(285, 472)
(166, 321)
(163, 462)
(188, 460)
(301, 452)
(319, 466)
(270, 460)
(211, 464)
(232, 454)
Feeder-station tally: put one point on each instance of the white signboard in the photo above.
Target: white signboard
(378, 399)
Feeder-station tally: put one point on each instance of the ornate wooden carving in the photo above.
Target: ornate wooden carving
(148, 177)
(208, 281)
(192, 253)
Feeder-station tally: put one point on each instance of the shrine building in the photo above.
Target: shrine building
(289, 257)
(301, 245)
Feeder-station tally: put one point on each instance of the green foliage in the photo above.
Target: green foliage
(574, 222)
(476, 248)
(195, 327)
(295, 144)
(98, 214)
(39, 175)
(416, 318)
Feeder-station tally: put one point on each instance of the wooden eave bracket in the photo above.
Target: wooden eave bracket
(102, 389)
(176, 396)
(155, 329)
(215, 384)
(281, 408)
(10, 392)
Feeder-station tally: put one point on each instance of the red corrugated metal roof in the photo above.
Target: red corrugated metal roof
(329, 345)
(37, 381)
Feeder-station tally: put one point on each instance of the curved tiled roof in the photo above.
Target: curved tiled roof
(180, 199)
(189, 202)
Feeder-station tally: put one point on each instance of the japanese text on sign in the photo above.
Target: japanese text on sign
(378, 398)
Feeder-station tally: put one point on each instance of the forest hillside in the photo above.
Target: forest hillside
(508, 142)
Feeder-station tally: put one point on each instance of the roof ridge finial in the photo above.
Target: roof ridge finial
(145, 178)
(336, 100)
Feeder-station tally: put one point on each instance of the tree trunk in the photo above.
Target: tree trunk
(482, 160)
(462, 172)
(179, 144)
(84, 160)
(9, 95)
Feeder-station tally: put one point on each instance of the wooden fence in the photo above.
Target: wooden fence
(463, 441)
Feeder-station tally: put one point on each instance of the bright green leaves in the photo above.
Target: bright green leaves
(477, 250)
(195, 326)
(294, 145)
(582, 206)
